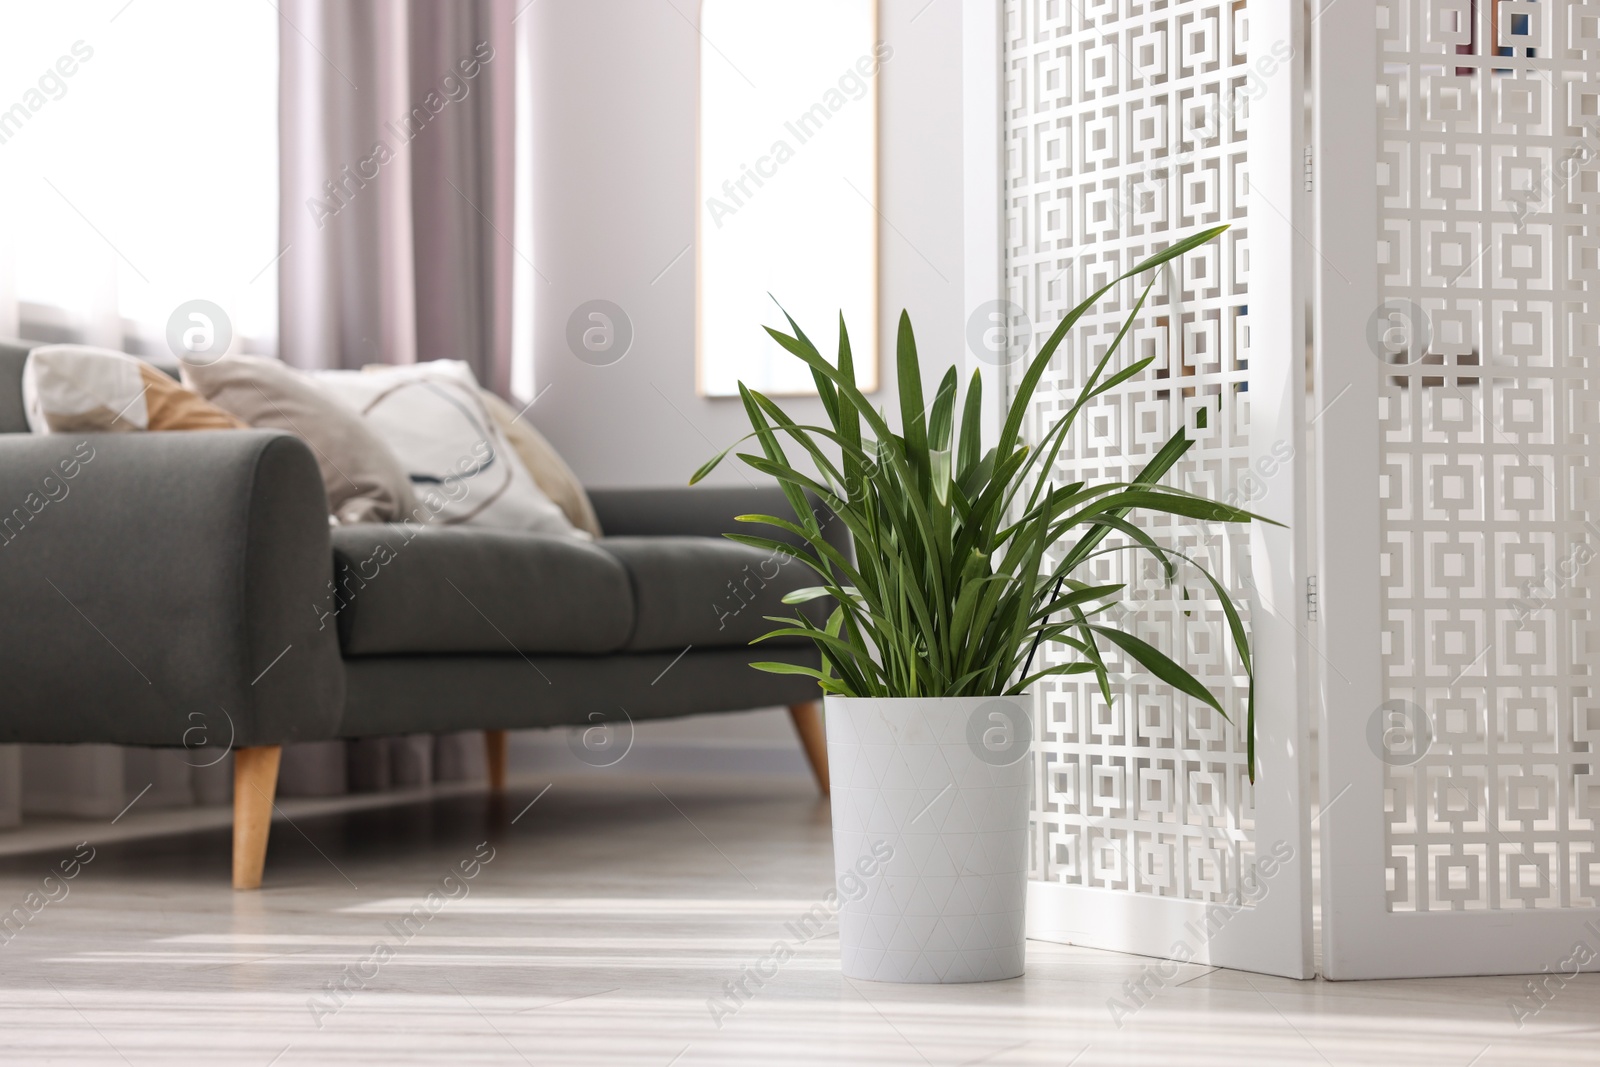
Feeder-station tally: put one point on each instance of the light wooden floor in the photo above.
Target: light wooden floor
(612, 911)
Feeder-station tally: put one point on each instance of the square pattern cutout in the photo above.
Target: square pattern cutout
(1134, 114)
(1490, 512)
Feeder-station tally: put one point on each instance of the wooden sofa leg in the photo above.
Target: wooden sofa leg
(494, 743)
(808, 724)
(255, 783)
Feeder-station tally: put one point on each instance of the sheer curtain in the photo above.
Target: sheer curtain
(140, 170)
(138, 162)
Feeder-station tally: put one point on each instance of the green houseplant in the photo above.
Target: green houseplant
(964, 564)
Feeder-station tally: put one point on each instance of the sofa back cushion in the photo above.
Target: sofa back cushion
(13, 416)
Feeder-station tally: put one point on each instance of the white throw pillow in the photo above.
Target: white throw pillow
(462, 469)
(66, 384)
(83, 389)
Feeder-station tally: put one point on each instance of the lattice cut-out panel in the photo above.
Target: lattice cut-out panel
(1126, 128)
(1489, 245)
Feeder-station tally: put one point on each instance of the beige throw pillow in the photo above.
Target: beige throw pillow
(82, 389)
(549, 470)
(363, 478)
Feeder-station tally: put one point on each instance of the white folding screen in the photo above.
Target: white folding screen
(1459, 370)
(1128, 125)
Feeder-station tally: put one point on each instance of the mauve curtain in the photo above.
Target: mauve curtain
(396, 170)
(397, 154)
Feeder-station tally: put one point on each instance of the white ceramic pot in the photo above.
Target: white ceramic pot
(930, 835)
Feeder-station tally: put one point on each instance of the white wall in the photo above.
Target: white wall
(615, 89)
(615, 92)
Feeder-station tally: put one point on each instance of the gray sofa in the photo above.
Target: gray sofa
(156, 584)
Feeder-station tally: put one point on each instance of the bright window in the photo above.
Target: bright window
(788, 186)
(138, 161)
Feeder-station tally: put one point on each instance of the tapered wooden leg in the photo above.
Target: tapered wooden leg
(494, 743)
(808, 724)
(255, 783)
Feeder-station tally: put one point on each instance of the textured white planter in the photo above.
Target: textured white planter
(930, 836)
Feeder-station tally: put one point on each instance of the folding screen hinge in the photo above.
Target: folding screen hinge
(1311, 598)
(1310, 168)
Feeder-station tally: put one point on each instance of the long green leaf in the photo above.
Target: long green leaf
(913, 415)
(965, 556)
(1160, 664)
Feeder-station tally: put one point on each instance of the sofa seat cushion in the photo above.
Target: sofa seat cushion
(705, 591)
(439, 589)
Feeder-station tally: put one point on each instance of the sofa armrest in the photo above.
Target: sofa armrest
(165, 589)
(706, 513)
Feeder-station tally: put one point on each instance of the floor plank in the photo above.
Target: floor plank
(603, 920)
